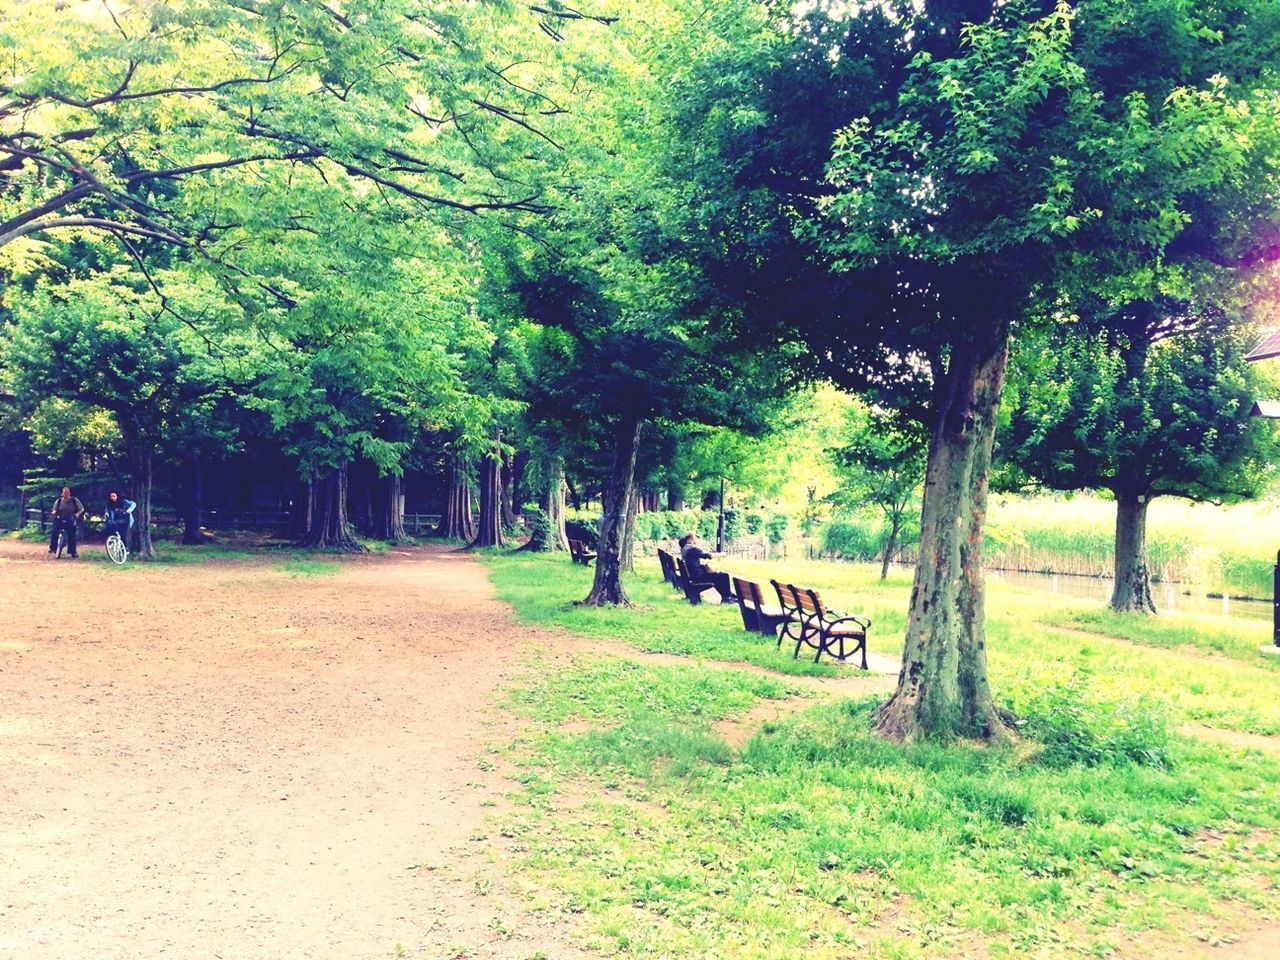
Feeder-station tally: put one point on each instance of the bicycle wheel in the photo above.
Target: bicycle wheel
(62, 542)
(116, 549)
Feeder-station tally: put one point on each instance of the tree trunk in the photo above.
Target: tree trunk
(519, 488)
(139, 452)
(330, 527)
(629, 533)
(457, 521)
(489, 530)
(552, 538)
(895, 525)
(674, 499)
(1132, 592)
(505, 489)
(390, 518)
(607, 588)
(193, 514)
(943, 689)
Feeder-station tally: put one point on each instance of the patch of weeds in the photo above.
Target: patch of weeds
(308, 567)
(1075, 725)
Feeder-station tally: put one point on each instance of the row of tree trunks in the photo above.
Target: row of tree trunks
(943, 687)
(389, 521)
(330, 525)
(607, 588)
(457, 522)
(489, 527)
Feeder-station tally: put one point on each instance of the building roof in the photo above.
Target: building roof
(1267, 348)
(1266, 408)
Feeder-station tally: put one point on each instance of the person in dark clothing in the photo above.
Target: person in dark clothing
(67, 511)
(695, 561)
(119, 515)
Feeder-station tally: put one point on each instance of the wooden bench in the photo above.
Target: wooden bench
(757, 615)
(668, 564)
(578, 550)
(809, 623)
(693, 589)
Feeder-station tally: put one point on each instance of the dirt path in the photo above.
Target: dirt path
(224, 760)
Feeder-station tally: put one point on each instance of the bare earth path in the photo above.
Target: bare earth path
(224, 760)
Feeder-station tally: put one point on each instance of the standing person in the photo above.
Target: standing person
(695, 559)
(67, 511)
(119, 515)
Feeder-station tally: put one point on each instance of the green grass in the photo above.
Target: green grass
(819, 840)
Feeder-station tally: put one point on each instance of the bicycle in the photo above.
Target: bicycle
(116, 549)
(63, 540)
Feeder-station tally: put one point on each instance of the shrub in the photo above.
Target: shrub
(1076, 726)
(777, 527)
(853, 539)
(754, 523)
(588, 531)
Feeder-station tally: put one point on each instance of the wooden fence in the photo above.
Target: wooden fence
(415, 524)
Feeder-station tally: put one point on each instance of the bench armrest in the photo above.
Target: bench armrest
(863, 622)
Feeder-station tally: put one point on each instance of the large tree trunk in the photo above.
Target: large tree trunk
(330, 527)
(390, 517)
(139, 452)
(489, 529)
(943, 688)
(458, 521)
(675, 501)
(552, 536)
(1132, 592)
(193, 513)
(607, 588)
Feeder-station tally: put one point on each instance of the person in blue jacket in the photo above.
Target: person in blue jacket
(119, 515)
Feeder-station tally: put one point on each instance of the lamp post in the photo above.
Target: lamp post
(720, 522)
(1270, 409)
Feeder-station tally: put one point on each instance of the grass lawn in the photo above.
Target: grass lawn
(1103, 832)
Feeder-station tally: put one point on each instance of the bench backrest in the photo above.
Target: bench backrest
(667, 562)
(684, 571)
(787, 597)
(810, 602)
(748, 592)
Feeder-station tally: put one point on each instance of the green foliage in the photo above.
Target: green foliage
(1075, 726)
(1165, 418)
(776, 527)
(853, 539)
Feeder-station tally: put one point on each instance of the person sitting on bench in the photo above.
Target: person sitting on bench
(695, 558)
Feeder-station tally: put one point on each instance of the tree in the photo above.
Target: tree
(111, 106)
(1143, 412)
(985, 157)
(104, 341)
(882, 465)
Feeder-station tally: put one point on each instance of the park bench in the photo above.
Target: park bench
(757, 615)
(693, 589)
(810, 623)
(578, 550)
(668, 564)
